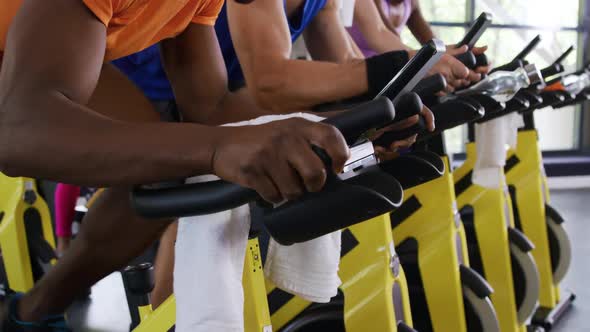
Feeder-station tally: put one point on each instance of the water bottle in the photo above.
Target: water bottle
(503, 85)
(576, 83)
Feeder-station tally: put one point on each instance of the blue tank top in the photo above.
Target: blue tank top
(145, 69)
(296, 25)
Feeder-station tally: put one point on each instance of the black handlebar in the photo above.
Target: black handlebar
(414, 71)
(564, 55)
(481, 60)
(430, 85)
(190, 199)
(410, 101)
(552, 70)
(373, 114)
(476, 30)
(529, 48)
(519, 61)
(511, 66)
(468, 59)
(216, 196)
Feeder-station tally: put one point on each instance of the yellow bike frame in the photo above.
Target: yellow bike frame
(368, 282)
(434, 226)
(529, 187)
(17, 196)
(493, 215)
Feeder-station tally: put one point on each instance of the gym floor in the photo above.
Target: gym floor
(107, 311)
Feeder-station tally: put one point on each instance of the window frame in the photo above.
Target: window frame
(582, 119)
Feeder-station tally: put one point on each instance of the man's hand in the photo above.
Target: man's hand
(394, 147)
(276, 159)
(455, 72)
(393, 151)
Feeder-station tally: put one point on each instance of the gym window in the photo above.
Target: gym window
(515, 23)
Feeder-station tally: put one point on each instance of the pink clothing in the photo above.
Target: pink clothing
(66, 196)
(360, 40)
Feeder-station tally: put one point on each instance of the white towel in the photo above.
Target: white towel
(492, 138)
(210, 257)
(308, 270)
(515, 121)
(208, 271)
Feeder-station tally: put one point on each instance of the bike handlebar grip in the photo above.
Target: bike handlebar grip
(552, 69)
(216, 196)
(430, 85)
(565, 54)
(355, 122)
(481, 60)
(511, 66)
(407, 105)
(468, 59)
(190, 199)
(529, 48)
(389, 137)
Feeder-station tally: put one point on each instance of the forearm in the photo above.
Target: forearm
(237, 106)
(54, 144)
(285, 85)
(385, 41)
(420, 28)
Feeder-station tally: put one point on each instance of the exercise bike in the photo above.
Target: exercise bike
(446, 295)
(27, 242)
(535, 217)
(279, 222)
(497, 249)
(364, 243)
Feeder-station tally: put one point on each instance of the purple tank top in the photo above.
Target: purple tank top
(360, 40)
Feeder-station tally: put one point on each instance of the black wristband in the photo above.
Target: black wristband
(382, 68)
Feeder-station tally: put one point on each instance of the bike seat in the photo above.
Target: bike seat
(415, 168)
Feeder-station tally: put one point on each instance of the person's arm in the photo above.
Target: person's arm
(195, 68)
(357, 51)
(418, 25)
(49, 72)
(262, 41)
(327, 39)
(188, 67)
(370, 23)
(42, 120)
